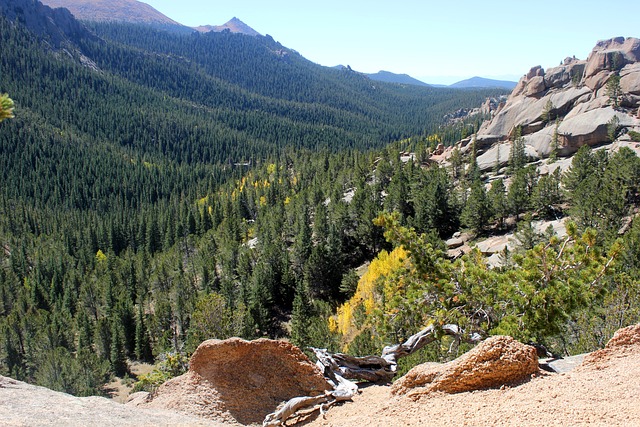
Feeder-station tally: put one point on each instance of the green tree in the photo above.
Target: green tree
(520, 190)
(531, 300)
(477, 210)
(498, 201)
(613, 90)
(547, 112)
(548, 195)
(214, 319)
(517, 155)
(117, 354)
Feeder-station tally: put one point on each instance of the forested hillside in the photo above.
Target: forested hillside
(158, 187)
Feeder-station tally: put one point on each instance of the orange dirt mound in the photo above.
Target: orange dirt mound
(496, 361)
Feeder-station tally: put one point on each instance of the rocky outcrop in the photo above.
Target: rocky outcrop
(57, 26)
(497, 361)
(588, 128)
(608, 55)
(570, 101)
(24, 404)
(239, 381)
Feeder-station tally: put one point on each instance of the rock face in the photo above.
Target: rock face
(567, 104)
(240, 381)
(24, 404)
(497, 361)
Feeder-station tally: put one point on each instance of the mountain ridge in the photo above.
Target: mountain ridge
(481, 82)
(234, 25)
(132, 11)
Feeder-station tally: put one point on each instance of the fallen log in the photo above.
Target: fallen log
(340, 368)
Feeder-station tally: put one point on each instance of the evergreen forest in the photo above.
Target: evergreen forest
(160, 189)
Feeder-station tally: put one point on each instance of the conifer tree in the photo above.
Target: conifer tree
(117, 355)
(498, 201)
(517, 156)
(477, 210)
(143, 346)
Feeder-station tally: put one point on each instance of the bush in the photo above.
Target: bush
(172, 365)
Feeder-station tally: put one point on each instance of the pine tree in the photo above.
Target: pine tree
(477, 210)
(117, 355)
(143, 346)
(613, 90)
(517, 156)
(498, 201)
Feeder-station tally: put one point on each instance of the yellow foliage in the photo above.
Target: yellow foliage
(271, 168)
(287, 200)
(367, 294)
(100, 256)
(434, 138)
(263, 201)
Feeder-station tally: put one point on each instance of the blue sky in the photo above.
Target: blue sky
(435, 41)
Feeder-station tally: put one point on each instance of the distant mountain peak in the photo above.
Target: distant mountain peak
(481, 82)
(234, 25)
(131, 11)
(389, 77)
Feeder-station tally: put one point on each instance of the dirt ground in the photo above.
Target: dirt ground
(119, 389)
(604, 391)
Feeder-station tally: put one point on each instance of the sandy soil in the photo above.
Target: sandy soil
(605, 391)
(119, 389)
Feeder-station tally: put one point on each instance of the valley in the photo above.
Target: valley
(161, 186)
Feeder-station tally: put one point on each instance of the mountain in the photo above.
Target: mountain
(56, 26)
(234, 25)
(135, 173)
(130, 11)
(480, 82)
(389, 77)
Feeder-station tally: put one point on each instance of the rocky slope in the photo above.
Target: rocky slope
(571, 101)
(602, 391)
(114, 10)
(27, 405)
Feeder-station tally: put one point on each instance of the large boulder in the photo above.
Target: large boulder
(630, 79)
(589, 128)
(527, 111)
(612, 54)
(572, 69)
(497, 361)
(240, 381)
(541, 142)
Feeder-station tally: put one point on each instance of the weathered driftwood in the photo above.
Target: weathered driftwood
(339, 368)
(343, 390)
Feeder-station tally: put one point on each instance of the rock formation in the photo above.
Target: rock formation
(239, 381)
(497, 361)
(23, 404)
(569, 103)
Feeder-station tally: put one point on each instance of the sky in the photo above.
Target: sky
(438, 42)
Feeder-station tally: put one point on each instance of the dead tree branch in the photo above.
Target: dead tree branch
(340, 368)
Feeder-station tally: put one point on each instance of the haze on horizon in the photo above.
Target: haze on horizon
(437, 42)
